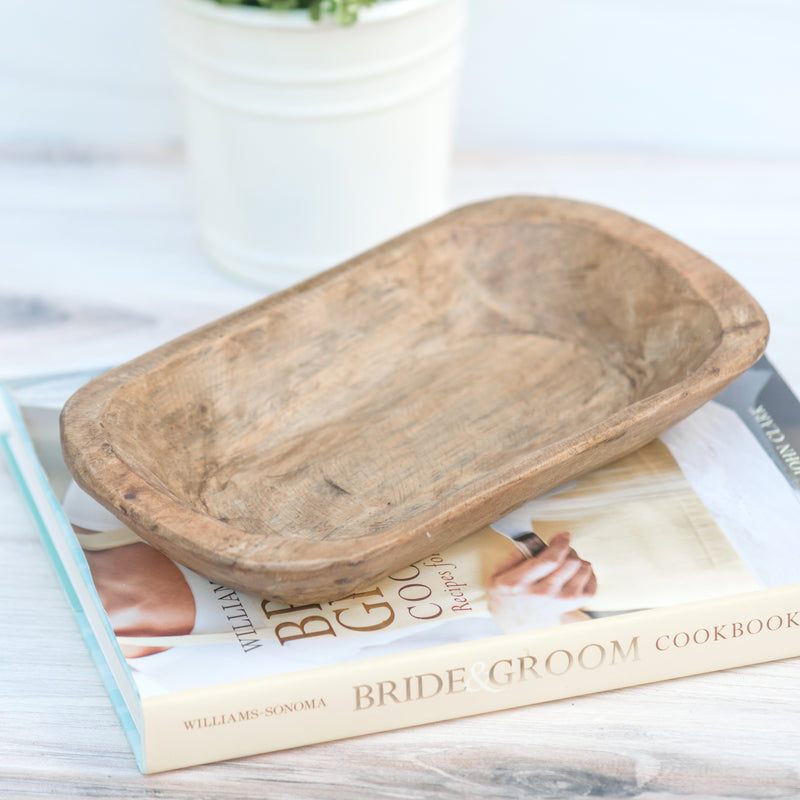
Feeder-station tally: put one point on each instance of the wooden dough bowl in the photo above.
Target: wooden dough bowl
(310, 444)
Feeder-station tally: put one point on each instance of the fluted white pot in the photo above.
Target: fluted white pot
(310, 142)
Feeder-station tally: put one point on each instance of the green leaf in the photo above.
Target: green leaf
(344, 11)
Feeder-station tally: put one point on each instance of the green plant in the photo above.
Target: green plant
(344, 11)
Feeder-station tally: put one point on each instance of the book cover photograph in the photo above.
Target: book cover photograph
(681, 558)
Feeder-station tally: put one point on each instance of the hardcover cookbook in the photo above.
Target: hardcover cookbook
(679, 558)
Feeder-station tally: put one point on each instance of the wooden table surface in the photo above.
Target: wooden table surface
(100, 262)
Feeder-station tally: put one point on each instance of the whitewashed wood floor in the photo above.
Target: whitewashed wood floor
(99, 261)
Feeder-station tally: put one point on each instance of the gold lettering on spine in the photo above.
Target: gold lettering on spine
(499, 675)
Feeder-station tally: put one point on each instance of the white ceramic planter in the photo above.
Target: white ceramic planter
(310, 142)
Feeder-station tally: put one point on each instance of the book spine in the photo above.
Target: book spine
(368, 696)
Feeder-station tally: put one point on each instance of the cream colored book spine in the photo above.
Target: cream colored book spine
(351, 699)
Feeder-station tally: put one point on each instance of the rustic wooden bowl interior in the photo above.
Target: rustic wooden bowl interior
(312, 443)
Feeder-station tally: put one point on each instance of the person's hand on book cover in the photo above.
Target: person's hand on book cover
(548, 589)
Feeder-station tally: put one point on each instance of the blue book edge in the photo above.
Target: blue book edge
(25, 467)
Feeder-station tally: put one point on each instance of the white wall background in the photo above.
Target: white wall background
(678, 75)
(684, 76)
(84, 75)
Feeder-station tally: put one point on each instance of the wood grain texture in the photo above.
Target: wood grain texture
(314, 442)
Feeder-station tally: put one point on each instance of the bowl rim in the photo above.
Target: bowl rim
(160, 517)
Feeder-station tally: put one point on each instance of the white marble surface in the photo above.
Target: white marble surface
(100, 261)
